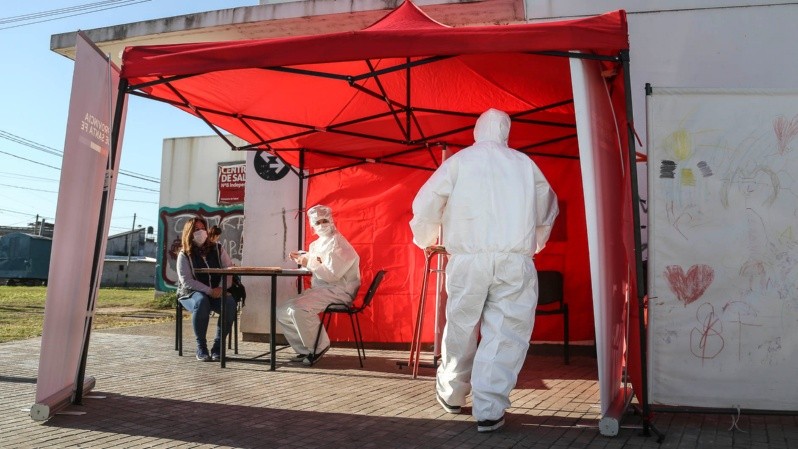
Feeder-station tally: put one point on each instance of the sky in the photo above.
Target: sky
(35, 85)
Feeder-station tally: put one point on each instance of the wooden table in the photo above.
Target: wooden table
(272, 272)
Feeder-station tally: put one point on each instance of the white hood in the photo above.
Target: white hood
(492, 126)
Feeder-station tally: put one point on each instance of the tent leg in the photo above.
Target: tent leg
(642, 288)
(648, 426)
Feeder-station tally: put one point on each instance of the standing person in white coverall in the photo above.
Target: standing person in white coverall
(336, 277)
(497, 209)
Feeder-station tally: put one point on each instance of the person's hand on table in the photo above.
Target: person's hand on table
(300, 257)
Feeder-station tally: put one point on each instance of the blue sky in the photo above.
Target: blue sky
(35, 86)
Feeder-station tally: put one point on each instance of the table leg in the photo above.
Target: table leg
(273, 324)
(221, 318)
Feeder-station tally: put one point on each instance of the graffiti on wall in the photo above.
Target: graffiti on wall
(724, 259)
(170, 227)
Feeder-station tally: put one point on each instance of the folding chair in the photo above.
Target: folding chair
(551, 302)
(230, 337)
(353, 312)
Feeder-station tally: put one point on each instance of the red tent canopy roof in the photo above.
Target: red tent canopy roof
(404, 84)
(405, 32)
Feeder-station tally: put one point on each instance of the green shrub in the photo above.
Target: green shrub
(166, 300)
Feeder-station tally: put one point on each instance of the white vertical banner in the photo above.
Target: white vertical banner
(85, 199)
(723, 248)
(604, 165)
(271, 201)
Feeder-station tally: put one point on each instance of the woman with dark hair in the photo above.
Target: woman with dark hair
(214, 233)
(202, 293)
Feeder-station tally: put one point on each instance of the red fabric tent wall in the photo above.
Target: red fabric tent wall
(372, 208)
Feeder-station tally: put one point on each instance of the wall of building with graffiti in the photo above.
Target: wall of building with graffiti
(200, 176)
(723, 254)
(230, 220)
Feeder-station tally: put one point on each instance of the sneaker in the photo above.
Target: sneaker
(453, 409)
(298, 357)
(202, 355)
(313, 358)
(489, 425)
(215, 353)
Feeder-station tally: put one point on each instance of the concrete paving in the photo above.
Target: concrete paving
(148, 397)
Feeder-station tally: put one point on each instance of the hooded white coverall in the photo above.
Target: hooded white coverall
(496, 209)
(336, 279)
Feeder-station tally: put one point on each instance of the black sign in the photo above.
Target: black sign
(270, 167)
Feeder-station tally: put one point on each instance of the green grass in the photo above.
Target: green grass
(22, 309)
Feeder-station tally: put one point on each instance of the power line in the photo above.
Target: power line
(25, 213)
(134, 201)
(137, 187)
(30, 160)
(63, 13)
(29, 143)
(56, 152)
(58, 168)
(138, 176)
(26, 177)
(68, 9)
(28, 188)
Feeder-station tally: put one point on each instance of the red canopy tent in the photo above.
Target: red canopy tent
(363, 115)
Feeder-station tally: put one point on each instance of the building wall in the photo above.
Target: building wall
(140, 273)
(697, 43)
(40, 228)
(694, 43)
(140, 245)
(189, 188)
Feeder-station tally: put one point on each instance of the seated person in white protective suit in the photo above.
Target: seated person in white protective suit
(496, 209)
(336, 277)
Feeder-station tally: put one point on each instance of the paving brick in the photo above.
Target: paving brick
(155, 399)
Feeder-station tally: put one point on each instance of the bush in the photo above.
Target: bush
(166, 300)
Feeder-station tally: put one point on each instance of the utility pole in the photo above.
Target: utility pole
(130, 248)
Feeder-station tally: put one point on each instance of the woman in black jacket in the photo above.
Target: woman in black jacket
(201, 293)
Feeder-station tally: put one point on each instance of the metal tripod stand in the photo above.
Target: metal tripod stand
(440, 301)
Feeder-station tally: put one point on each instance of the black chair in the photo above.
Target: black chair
(353, 312)
(551, 302)
(230, 337)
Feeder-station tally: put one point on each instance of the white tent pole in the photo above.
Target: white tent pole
(440, 287)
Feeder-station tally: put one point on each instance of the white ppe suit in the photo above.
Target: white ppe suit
(336, 278)
(496, 209)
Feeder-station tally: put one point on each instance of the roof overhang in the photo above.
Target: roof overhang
(299, 18)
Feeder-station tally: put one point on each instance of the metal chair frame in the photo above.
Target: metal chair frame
(353, 313)
(231, 337)
(550, 291)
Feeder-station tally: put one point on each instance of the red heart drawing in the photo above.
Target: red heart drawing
(689, 287)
